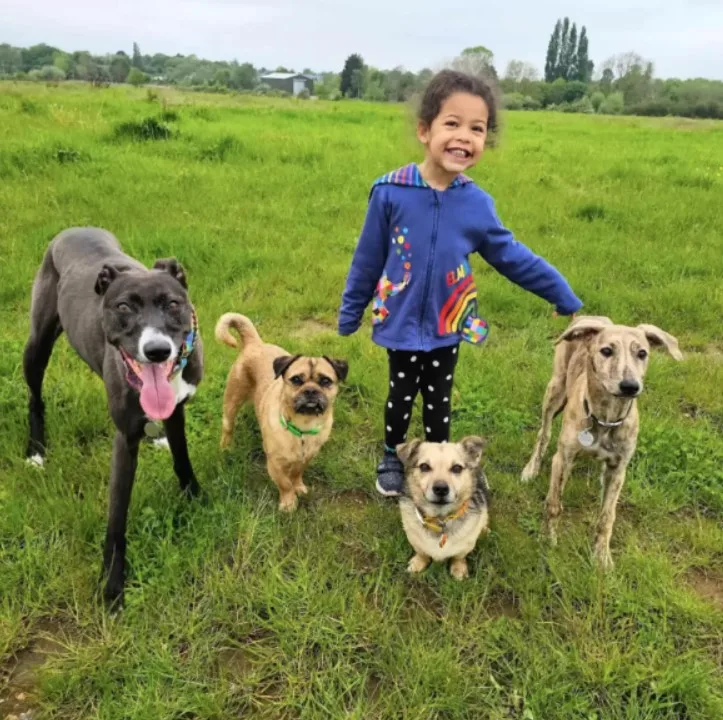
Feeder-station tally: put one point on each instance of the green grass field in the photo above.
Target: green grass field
(233, 610)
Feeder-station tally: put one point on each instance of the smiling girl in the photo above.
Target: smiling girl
(422, 223)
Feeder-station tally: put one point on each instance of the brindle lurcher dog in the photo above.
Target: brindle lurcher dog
(597, 375)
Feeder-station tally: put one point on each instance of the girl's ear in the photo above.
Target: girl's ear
(422, 132)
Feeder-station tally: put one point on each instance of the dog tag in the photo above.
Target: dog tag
(152, 429)
(585, 438)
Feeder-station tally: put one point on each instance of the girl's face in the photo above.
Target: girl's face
(456, 138)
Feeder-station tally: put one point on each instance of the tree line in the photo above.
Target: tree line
(624, 83)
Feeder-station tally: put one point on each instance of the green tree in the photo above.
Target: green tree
(584, 64)
(38, 56)
(222, 77)
(477, 60)
(570, 69)
(11, 59)
(119, 68)
(244, 77)
(137, 61)
(553, 53)
(562, 57)
(137, 77)
(354, 64)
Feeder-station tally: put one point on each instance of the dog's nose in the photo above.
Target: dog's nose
(440, 489)
(157, 351)
(629, 387)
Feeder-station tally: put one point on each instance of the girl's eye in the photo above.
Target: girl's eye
(425, 468)
(457, 469)
(606, 352)
(451, 123)
(478, 129)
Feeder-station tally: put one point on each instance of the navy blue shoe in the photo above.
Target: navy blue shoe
(390, 476)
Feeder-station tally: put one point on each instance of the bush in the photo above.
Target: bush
(614, 104)
(148, 129)
(51, 73)
(583, 105)
(513, 101)
(34, 75)
(575, 90)
(137, 77)
(597, 99)
(305, 94)
(530, 103)
(262, 89)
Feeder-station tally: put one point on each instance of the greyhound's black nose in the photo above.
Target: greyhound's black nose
(629, 387)
(440, 489)
(157, 351)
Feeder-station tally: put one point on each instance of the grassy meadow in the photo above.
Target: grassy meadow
(233, 610)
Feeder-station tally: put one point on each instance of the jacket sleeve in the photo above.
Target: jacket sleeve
(520, 265)
(367, 264)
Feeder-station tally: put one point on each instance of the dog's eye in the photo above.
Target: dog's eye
(606, 352)
(456, 469)
(642, 354)
(173, 305)
(425, 468)
(297, 380)
(324, 381)
(123, 307)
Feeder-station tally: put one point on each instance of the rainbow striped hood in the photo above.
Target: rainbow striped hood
(412, 264)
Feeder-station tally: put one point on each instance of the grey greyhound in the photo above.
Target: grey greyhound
(137, 329)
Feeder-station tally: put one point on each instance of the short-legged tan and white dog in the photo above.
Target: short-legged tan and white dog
(444, 505)
(597, 375)
(293, 396)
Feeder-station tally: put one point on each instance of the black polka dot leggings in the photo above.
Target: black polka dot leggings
(432, 373)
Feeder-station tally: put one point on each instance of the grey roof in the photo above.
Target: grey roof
(284, 76)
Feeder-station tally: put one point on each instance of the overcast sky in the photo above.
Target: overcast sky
(684, 38)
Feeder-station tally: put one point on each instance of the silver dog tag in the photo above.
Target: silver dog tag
(152, 429)
(585, 438)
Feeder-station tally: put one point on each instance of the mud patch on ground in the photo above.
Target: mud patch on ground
(706, 585)
(19, 675)
(502, 604)
(311, 327)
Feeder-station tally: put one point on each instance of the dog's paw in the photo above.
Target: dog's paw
(459, 569)
(288, 503)
(417, 564)
(36, 460)
(161, 443)
(603, 557)
(301, 489)
(530, 472)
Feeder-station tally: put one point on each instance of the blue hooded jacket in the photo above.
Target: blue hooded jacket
(412, 260)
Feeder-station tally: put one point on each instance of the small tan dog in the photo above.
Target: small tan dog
(293, 397)
(597, 375)
(444, 507)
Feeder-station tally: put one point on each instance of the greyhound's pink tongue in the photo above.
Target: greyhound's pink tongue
(157, 397)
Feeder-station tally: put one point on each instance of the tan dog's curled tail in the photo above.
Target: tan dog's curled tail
(243, 326)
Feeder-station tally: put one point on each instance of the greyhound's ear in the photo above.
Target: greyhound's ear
(661, 339)
(407, 452)
(105, 277)
(473, 447)
(172, 267)
(281, 364)
(584, 327)
(341, 367)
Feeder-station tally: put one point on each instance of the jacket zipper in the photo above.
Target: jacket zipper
(430, 264)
